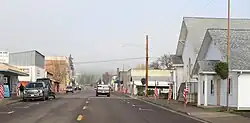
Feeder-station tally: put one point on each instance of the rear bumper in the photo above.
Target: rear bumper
(103, 93)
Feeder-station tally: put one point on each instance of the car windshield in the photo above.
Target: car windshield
(34, 85)
(69, 87)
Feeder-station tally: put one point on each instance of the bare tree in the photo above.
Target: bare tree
(163, 62)
(59, 70)
(106, 77)
(155, 65)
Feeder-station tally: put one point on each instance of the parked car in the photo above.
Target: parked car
(79, 88)
(48, 83)
(103, 89)
(36, 90)
(69, 89)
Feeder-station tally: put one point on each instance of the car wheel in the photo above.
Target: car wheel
(54, 96)
(108, 95)
(96, 95)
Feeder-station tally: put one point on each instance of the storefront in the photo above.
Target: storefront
(9, 78)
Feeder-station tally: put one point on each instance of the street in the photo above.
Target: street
(84, 107)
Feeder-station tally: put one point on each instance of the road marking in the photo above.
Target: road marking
(79, 118)
(140, 109)
(84, 107)
(10, 112)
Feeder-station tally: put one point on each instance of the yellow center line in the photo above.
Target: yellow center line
(79, 118)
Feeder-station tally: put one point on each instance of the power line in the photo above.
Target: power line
(111, 60)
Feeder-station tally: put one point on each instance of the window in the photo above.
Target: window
(230, 86)
(212, 87)
(203, 87)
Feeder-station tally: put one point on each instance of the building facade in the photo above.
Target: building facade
(31, 62)
(59, 67)
(212, 90)
(162, 79)
(4, 57)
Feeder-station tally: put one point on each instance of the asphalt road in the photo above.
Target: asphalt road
(84, 107)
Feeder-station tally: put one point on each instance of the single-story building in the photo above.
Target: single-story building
(9, 76)
(212, 90)
(156, 78)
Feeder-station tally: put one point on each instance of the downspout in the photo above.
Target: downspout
(238, 89)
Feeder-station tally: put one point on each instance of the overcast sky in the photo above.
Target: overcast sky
(93, 30)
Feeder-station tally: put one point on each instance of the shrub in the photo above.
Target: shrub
(221, 69)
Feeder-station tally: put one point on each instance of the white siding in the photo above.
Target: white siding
(200, 84)
(188, 52)
(34, 73)
(213, 53)
(243, 97)
(211, 97)
(179, 77)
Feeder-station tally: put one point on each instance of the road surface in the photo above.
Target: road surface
(84, 107)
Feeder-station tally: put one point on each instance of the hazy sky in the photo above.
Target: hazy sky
(93, 30)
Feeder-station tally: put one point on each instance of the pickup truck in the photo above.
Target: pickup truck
(36, 90)
(103, 89)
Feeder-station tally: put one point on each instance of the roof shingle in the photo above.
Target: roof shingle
(239, 44)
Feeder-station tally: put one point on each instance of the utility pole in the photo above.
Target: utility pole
(122, 71)
(146, 88)
(228, 50)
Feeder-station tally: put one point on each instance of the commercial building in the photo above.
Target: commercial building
(59, 67)
(4, 57)
(161, 79)
(31, 62)
(9, 78)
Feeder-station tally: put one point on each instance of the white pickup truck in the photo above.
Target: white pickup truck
(103, 89)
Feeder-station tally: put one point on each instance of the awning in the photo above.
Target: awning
(7, 69)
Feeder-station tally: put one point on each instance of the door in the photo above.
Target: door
(218, 85)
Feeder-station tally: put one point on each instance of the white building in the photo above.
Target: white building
(211, 89)
(156, 78)
(4, 57)
(32, 62)
(192, 33)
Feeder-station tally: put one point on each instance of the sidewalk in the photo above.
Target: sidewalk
(204, 114)
(7, 101)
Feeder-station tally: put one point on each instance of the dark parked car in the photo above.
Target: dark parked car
(69, 89)
(36, 90)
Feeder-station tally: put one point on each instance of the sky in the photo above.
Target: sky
(97, 30)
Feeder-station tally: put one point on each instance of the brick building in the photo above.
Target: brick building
(59, 67)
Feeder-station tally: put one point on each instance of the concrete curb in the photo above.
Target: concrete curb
(167, 107)
(182, 112)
